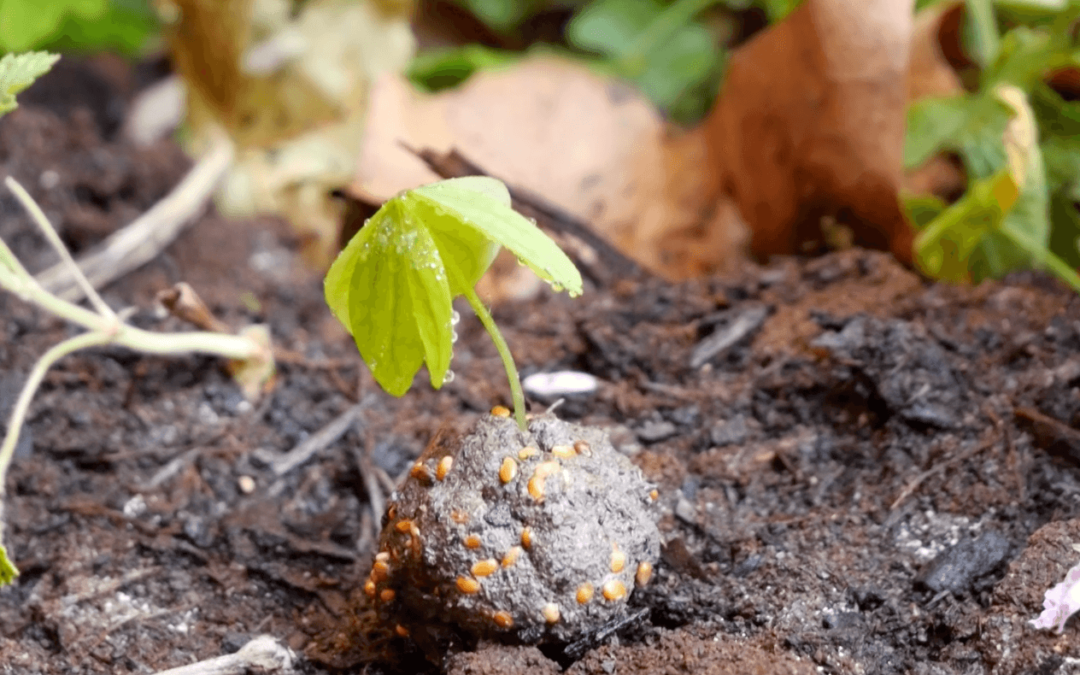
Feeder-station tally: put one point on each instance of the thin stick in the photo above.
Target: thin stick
(504, 353)
(149, 234)
(317, 441)
(263, 654)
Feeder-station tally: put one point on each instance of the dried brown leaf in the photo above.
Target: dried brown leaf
(809, 126)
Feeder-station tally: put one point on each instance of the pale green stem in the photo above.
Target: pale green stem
(22, 405)
(504, 352)
(53, 238)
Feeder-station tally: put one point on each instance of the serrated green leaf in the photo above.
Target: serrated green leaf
(389, 288)
(501, 224)
(18, 71)
(393, 284)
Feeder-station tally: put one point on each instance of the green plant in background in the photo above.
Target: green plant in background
(673, 58)
(1019, 143)
(662, 46)
(75, 25)
(393, 285)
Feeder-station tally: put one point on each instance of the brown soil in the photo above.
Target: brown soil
(852, 486)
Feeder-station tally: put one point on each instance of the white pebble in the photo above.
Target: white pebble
(560, 383)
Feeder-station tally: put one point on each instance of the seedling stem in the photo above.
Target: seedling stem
(504, 352)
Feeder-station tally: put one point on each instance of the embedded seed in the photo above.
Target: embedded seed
(379, 571)
(584, 593)
(644, 573)
(511, 556)
(614, 590)
(508, 470)
(414, 530)
(550, 612)
(563, 451)
(387, 595)
(654, 495)
(527, 452)
(382, 556)
(369, 588)
(503, 619)
(536, 483)
(582, 448)
(500, 411)
(618, 559)
(402, 631)
(467, 585)
(527, 538)
(403, 526)
(484, 567)
(420, 472)
(459, 517)
(444, 467)
(472, 541)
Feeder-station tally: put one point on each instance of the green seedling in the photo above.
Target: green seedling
(393, 285)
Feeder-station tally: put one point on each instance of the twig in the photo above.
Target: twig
(264, 654)
(317, 441)
(939, 468)
(146, 236)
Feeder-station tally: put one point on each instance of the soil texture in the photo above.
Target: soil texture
(858, 471)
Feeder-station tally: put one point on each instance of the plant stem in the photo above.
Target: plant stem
(504, 352)
(22, 405)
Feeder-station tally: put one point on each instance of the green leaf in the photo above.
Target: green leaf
(393, 284)
(972, 125)
(1065, 229)
(25, 24)
(8, 571)
(921, 210)
(18, 71)
(944, 248)
(661, 49)
(389, 288)
(124, 27)
(1029, 219)
(483, 205)
(499, 15)
(434, 71)
(982, 27)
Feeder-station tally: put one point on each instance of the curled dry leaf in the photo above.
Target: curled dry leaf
(810, 125)
(590, 145)
(289, 82)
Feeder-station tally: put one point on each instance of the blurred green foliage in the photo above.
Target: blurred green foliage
(667, 48)
(76, 25)
(1019, 142)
